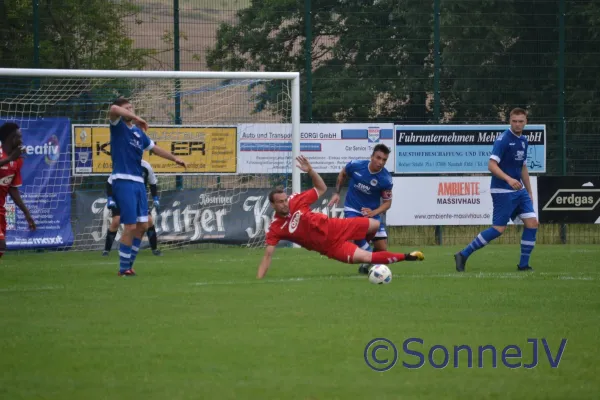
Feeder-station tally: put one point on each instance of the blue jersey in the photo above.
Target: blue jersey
(366, 189)
(510, 152)
(127, 147)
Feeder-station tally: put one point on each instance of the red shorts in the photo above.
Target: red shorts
(2, 227)
(341, 231)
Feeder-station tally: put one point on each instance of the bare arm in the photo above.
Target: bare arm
(385, 205)
(494, 168)
(16, 196)
(117, 112)
(341, 179)
(526, 180)
(168, 156)
(265, 262)
(317, 181)
(13, 156)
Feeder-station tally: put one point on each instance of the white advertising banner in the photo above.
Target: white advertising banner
(267, 148)
(443, 200)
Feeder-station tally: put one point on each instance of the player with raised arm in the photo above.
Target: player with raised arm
(511, 192)
(369, 195)
(294, 221)
(10, 176)
(128, 141)
(111, 232)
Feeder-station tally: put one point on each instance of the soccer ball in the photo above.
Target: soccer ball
(380, 274)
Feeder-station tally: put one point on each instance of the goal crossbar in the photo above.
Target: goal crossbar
(293, 77)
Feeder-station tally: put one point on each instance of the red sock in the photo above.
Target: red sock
(385, 257)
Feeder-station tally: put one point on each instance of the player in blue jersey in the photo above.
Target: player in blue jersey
(511, 192)
(128, 141)
(111, 232)
(369, 195)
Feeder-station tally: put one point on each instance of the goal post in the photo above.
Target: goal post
(71, 166)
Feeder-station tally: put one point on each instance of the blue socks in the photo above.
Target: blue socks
(480, 241)
(124, 257)
(527, 244)
(363, 244)
(135, 247)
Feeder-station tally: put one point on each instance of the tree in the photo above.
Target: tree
(363, 67)
(375, 59)
(73, 34)
(81, 34)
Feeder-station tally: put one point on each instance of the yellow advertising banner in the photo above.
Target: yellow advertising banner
(205, 149)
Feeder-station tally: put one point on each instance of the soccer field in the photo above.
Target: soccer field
(196, 324)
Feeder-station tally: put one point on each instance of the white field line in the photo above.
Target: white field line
(14, 289)
(481, 275)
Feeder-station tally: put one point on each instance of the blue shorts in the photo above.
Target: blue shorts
(131, 200)
(508, 206)
(381, 233)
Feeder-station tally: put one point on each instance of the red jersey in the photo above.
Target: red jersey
(301, 226)
(10, 175)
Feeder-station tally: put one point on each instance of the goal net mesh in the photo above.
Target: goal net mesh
(222, 197)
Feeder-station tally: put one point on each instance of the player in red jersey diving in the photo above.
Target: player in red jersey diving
(294, 221)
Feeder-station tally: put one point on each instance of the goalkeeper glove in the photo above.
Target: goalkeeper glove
(110, 203)
(156, 202)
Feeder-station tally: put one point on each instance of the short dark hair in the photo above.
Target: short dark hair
(382, 148)
(277, 190)
(7, 129)
(121, 101)
(518, 111)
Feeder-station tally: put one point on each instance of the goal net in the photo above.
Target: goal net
(238, 133)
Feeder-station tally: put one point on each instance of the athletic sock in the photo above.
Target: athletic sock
(124, 257)
(152, 237)
(110, 238)
(527, 244)
(135, 247)
(480, 241)
(363, 244)
(385, 257)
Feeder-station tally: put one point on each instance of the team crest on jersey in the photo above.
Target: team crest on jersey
(373, 182)
(374, 134)
(295, 221)
(7, 180)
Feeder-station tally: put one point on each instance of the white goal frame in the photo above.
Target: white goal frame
(293, 77)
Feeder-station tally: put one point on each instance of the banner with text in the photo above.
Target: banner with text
(458, 149)
(461, 200)
(569, 199)
(267, 148)
(193, 216)
(205, 149)
(45, 191)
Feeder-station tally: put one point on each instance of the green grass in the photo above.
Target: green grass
(196, 324)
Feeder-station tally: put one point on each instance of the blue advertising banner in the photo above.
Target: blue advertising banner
(458, 149)
(46, 192)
